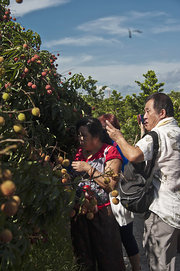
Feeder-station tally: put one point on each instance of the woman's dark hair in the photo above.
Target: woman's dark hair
(162, 101)
(93, 125)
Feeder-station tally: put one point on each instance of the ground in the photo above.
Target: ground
(138, 232)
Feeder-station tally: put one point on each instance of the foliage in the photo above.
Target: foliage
(51, 252)
(38, 112)
(134, 105)
(126, 109)
(175, 97)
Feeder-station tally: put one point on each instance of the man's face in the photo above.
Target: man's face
(151, 116)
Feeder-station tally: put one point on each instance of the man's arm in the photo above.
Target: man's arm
(133, 154)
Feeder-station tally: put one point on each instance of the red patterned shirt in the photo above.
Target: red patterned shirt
(98, 161)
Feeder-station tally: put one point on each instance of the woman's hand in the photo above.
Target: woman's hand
(112, 131)
(81, 166)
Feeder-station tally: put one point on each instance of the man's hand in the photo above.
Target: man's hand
(81, 166)
(112, 131)
(133, 154)
(141, 125)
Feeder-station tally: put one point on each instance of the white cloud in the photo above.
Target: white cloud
(118, 25)
(147, 14)
(166, 28)
(67, 63)
(79, 41)
(172, 21)
(32, 5)
(110, 25)
(123, 76)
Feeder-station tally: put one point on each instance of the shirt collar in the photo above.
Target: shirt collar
(165, 121)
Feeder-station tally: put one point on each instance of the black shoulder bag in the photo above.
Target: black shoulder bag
(136, 187)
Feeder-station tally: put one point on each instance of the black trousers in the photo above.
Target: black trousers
(97, 242)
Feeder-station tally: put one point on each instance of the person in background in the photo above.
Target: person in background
(162, 228)
(122, 215)
(114, 121)
(95, 236)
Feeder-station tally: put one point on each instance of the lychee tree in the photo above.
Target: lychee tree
(38, 112)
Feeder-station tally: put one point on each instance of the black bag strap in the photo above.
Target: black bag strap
(151, 163)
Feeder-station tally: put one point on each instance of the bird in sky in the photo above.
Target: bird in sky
(135, 30)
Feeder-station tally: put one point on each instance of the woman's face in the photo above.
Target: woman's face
(87, 142)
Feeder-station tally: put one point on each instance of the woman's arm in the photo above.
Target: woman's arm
(113, 165)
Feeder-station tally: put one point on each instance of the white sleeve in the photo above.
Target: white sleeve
(146, 146)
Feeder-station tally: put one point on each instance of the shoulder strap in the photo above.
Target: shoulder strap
(150, 164)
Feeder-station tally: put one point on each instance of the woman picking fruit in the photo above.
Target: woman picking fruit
(95, 234)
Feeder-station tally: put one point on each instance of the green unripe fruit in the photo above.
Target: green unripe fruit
(106, 180)
(17, 128)
(21, 117)
(5, 96)
(115, 201)
(1, 59)
(65, 163)
(2, 121)
(36, 112)
(114, 193)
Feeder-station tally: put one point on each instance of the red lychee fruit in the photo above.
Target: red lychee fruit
(33, 59)
(30, 84)
(37, 56)
(26, 70)
(25, 46)
(34, 86)
(43, 73)
(49, 91)
(7, 85)
(48, 87)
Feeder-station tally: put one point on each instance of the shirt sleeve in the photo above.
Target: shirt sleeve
(146, 146)
(112, 153)
(78, 156)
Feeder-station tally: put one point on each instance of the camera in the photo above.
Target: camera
(140, 118)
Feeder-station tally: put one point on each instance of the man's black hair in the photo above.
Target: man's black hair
(162, 101)
(93, 125)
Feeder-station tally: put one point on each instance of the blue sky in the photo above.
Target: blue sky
(92, 38)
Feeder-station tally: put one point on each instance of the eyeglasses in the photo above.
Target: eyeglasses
(84, 137)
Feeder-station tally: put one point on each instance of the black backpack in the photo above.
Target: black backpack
(136, 188)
